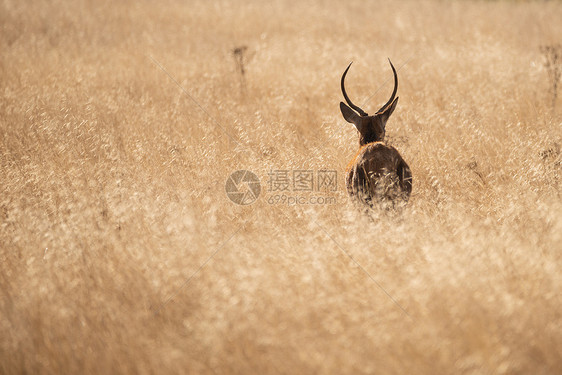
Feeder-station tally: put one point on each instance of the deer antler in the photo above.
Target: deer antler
(393, 92)
(359, 110)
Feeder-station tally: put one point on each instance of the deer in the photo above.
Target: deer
(377, 176)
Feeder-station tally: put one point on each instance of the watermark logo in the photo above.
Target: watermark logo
(295, 199)
(243, 187)
(284, 187)
(302, 180)
(301, 187)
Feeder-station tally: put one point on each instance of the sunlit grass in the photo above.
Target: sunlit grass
(121, 253)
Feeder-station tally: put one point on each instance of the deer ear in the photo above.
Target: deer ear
(385, 114)
(349, 115)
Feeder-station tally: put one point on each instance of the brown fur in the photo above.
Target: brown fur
(377, 175)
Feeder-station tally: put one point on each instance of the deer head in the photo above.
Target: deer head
(371, 128)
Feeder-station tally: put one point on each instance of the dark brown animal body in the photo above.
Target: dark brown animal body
(377, 175)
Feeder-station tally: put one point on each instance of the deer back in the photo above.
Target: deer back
(377, 172)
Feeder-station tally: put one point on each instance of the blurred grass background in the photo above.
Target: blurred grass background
(112, 189)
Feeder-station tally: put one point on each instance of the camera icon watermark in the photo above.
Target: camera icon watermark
(243, 187)
(285, 187)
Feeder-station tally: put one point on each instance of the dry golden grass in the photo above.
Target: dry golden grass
(112, 189)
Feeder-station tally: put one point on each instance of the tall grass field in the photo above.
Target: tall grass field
(129, 244)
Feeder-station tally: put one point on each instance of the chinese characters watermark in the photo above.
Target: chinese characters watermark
(284, 186)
